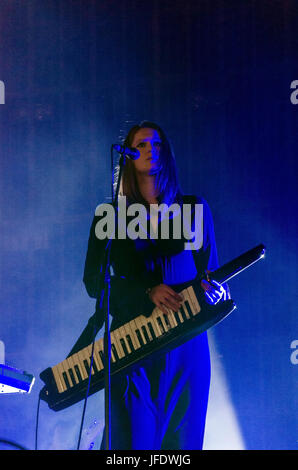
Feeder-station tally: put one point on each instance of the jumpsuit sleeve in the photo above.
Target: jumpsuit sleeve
(128, 298)
(207, 257)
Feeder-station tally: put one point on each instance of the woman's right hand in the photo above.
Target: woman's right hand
(164, 297)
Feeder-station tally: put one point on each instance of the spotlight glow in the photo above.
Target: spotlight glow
(222, 429)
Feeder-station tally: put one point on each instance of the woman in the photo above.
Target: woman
(162, 404)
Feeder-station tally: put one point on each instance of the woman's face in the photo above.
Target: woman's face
(148, 142)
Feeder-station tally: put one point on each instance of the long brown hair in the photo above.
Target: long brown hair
(166, 177)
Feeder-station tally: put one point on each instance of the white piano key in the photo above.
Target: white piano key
(77, 363)
(115, 337)
(156, 313)
(60, 370)
(161, 320)
(114, 353)
(155, 328)
(100, 351)
(95, 365)
(179, 315)
(65, 373)
(135, 327)
(171, 318)
(123, 342)
(193, 301)
(144, 323)
(96, 358)
(131, 331)
(85, 353)
(140, 323)
(116, 346)
(184, 311)
(126, 331)
(58, 379)
(80, 358)
(98, 347)
(167, 322)
(69, 362)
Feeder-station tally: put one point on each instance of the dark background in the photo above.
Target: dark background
(216, 76)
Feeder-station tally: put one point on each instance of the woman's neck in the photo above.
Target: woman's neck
(147, 188)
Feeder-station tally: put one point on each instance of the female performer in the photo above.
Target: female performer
(163, 403)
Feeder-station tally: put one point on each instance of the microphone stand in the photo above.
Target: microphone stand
(106, 308)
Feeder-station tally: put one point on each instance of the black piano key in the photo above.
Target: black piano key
(94, 366)
(166, 319)
(177, 318)
(140, 338)
(130, 344)
(161, 325)
(125, 350)
(187, 306)
(78, 373)
(146, 334)
(87, 366)
(182, 312)
(115, 352)
(151, 330)
(66, 380)
(138, 343)
(71, 375)
(102, 357)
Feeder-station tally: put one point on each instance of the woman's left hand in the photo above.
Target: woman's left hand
(214, 292)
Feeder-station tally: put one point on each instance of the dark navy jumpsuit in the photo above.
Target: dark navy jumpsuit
(163, 403)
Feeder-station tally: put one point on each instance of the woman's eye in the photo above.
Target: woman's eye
(143, 144)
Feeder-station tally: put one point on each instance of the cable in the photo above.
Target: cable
(85, 405)
(112, 171)
(37, 422)
(88, 388)
(95, 332)
(92, 352)
(13, 444)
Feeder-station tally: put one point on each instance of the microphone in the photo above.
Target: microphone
(131, 153)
